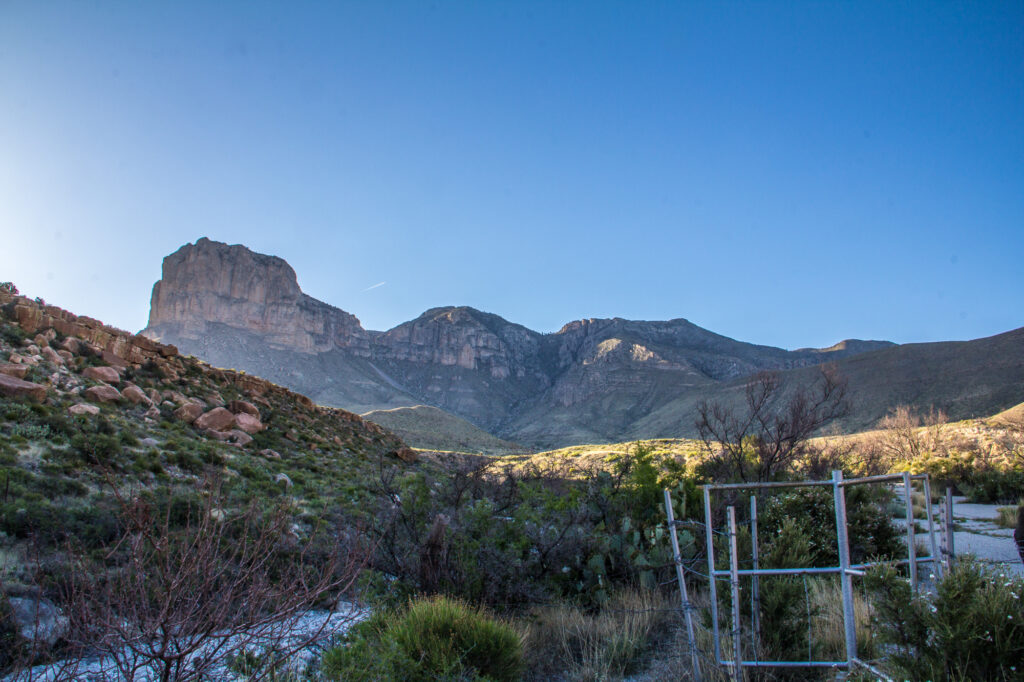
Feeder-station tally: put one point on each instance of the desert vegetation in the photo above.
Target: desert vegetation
(174, 550)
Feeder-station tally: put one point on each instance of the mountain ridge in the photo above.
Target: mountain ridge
(594, 378)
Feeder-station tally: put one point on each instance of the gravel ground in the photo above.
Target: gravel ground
(979, 535)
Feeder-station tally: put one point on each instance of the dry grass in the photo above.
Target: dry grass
(1007, 516)
(828, 628)
(566, 641)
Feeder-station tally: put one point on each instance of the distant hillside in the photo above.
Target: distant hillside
(430, 428)
(595, 380)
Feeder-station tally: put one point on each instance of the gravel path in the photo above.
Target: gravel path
(979, 535)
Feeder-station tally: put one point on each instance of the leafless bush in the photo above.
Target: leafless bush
(174, 600)
(904, 439)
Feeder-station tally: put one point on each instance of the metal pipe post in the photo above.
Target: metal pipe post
(846, 580)
(911, 546)
(755, 587)
(950, 551)
(684, 597)
(932, 542)
(712, 587)
(734, 583)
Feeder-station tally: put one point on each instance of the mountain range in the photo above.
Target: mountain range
(594, 380)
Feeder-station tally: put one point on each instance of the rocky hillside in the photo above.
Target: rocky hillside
(595, 380)
(86, 408)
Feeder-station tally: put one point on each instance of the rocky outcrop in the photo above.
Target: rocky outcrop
(210, 282)
(115, 346)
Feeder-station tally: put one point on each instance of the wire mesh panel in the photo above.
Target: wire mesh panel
(743, 574)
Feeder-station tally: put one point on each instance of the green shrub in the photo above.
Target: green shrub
(435, 639)
(97, 448)
(972, 628)
(994, 486)
(871, 532)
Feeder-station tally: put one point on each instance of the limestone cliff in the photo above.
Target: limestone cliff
(210, 282)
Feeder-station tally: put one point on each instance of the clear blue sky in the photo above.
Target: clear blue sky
(783, 173)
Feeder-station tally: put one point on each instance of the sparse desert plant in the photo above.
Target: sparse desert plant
(436, 638)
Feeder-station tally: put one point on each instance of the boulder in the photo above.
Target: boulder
(82, 408)
(406, 454)
(248, 423)
(50, 355)
(16, 388)
(19, 359)
(66, 356)
(241, 438)
(152, 413)
(174, 397)
(243, 407)
(41, 341)
(218, 419)
(102, 394)
(107, 375)
(269, 454)
(12, 370)
(71, 345)
(135, 395)
(154, 395)
(32, 349)
(215, 400)
(217, 435)
(38, 620)
(189, 412)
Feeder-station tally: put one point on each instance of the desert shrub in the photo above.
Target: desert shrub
(871, 532)
(972, 628)
(99, 448)
(784, 611)
(994, 486)
(12, 334)
(438, 638)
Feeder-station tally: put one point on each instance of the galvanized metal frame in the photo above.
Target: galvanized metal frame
(846, 570)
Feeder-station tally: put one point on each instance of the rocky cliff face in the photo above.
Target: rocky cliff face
(209, 282)
(593, 379)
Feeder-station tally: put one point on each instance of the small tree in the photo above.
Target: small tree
(173, 601)
(764, 438)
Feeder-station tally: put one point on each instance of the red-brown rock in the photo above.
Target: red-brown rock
(65, 355)
(248, 423)
(189, 412)
(107, 375)
(102, 394)
(82, 408)
(16, 388)
(135, 395)
(406, 454)
(12, 370)
(71, 344)
(218, 419)
(243, 407)
(240, 437)
(51, 355)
